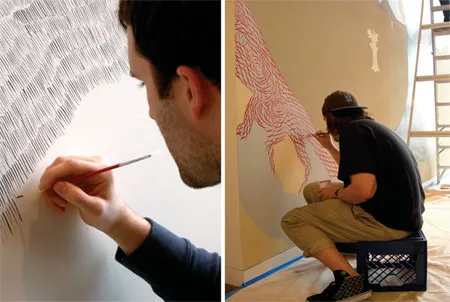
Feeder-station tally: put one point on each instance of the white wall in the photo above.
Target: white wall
(56, 258)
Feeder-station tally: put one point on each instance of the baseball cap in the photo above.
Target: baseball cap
(340, 100)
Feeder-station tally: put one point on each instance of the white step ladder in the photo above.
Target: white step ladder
(442, 130)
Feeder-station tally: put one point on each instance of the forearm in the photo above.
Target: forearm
(352, 195)
(130, 231)
(335, 153)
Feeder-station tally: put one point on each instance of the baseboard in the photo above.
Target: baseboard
(238, 277)
(234, 276)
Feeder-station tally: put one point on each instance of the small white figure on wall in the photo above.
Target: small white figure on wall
(373, 36)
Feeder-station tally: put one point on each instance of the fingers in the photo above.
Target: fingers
(51, 203)
(319, 134)
(322, 133)
(320, 138)
(61, 159)
(65, 167)
(320, 192)
(62, 193)
(59, 201)
(53, 206)
(76, 196)
(93, 159)
(54, 202)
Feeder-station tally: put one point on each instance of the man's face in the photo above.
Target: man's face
(189, 119)
(335, 137)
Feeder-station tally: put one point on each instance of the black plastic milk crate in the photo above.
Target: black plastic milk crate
(398, 265)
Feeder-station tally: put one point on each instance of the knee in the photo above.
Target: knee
(286, 220)
(291, 218)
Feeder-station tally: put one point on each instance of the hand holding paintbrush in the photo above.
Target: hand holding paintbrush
(324, 139)
(62, 181)
(97, 201)
(321, 133)
(78, 178)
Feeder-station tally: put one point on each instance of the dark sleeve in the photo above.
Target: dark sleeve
(174, 267)
(357, 150)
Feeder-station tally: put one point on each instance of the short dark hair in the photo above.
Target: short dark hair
(174, 33)
(336, 120)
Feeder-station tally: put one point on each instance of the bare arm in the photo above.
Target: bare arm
(335, 153)
(324, 138)
(362, 187)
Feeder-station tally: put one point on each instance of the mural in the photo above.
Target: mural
(273, 106)
(284, 70)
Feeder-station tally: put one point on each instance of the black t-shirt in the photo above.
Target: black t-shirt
(174, 267)
(368, 147)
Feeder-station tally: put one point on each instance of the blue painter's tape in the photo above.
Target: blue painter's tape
(262, 276)
(430, 184)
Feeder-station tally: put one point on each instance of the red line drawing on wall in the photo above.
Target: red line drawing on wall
(272, 105)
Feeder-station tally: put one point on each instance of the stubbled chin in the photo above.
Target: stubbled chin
(185, 176)
(190, 181)
(194, 182)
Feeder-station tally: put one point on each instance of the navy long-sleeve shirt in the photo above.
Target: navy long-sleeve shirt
(174, 267)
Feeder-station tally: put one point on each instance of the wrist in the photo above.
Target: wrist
(130, 231)
(336, 194)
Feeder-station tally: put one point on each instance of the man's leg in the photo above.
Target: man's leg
(314, 229)
(335, 261)
(446, 12)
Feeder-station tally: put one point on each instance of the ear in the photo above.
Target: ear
(194, 88)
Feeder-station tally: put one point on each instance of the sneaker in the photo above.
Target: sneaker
(344, 288)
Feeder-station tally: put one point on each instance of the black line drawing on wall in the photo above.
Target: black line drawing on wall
(52, 53)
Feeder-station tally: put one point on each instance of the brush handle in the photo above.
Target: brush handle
(321, 134)
(92, 173)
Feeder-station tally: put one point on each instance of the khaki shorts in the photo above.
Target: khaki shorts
(316, 226)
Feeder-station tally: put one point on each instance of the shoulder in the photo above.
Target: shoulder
(359, 128)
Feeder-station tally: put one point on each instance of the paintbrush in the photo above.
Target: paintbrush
(320, 134)
(96, 172)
